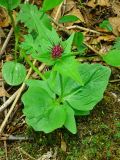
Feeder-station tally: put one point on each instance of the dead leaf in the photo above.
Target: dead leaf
(104, 49)
(69, 5)
(76, 12)
(3, 92)
(115, 22)
(2, 34)
(63, 145)
(116, 8)
(55, 14)
(108, 38)
(91, 3)
(103, 3)
(4, 18)
(94, 3)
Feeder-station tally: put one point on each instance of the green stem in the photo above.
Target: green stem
(15, 33)
(32, 66)
(61, 84)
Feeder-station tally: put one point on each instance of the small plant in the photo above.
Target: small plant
(106, 25)
(13, 72)
(69, 88)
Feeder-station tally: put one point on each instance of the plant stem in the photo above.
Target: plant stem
(15, 33)
(61, 83)
(32, 66)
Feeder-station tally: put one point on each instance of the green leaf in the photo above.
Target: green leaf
(30, 45)
(116, 44)
(42, 110)
(68, 66)
(48, 4)
(9, 4)
(67, 45)
(81, 113)
(112, 57)
(34, 18)
(106, 25)
(95, 78)
(70, 123)
(59, 97)
(68, 18)
(13, 73)
(78, 41)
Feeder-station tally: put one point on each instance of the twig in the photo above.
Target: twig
(15, 101)
(90, 47)
(14, 138)
(6, 41)
(25, 153)
(9, 101)
(115, 80)
(58, 11)
(83, 28)
(40, 69)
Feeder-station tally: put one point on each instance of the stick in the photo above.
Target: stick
(9, 101)
(83, 28)
(6, 41)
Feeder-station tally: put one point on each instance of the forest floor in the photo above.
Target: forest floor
(98, 135)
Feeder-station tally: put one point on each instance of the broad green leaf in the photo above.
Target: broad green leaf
(78, 38)
(68, 18)
(68, 66)
(9, 4)
(70, 123)
(13, 73)
(78, 41)
(81, 113)
(41, 111)
(112, 57)
(62, 96)
(95, 78)
(106, 25)
(48, 4)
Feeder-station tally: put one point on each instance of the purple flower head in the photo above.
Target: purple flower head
(57, 51)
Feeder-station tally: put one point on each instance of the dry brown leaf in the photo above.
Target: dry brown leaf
(91, 3)
(116, 8)
(104, 49)
(2, 34)
(108, 38)
(76, 12)
(115, 22)
(55, 15)
(3, 92)
(101, 29)
(63, 145)
(69, 5)
(4, 18)
(103, 3)
(94, 3)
